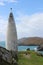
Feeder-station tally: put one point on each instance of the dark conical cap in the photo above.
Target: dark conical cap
(11, 16)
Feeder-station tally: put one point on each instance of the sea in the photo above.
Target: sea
(21, 48)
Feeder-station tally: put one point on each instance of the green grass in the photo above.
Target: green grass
(33, 60)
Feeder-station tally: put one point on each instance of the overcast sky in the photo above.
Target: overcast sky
(28, 15)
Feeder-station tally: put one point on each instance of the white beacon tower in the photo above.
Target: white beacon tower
(11, 34)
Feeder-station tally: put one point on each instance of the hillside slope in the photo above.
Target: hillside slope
(30, 41)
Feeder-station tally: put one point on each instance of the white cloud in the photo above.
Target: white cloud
(11, 0)
(29, 26)
(3, 27)
(2, 2)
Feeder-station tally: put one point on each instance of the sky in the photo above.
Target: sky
(28, 16)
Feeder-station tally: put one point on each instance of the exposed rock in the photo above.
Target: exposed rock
(6, 57)
(28, 49)
(40, 48)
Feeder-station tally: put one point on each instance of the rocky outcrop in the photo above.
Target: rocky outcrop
(30, 41)
(7, 57)
(40, 48)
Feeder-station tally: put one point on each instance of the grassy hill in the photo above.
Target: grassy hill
(29, 58)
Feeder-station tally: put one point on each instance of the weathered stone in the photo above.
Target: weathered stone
(40, 48)
(6, 57)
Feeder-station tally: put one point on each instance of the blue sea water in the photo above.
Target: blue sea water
(2, 43)
(20, 48)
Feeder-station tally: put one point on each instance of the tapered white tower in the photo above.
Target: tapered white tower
(11, 34)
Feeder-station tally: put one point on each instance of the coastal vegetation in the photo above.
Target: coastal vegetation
(29, 58)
